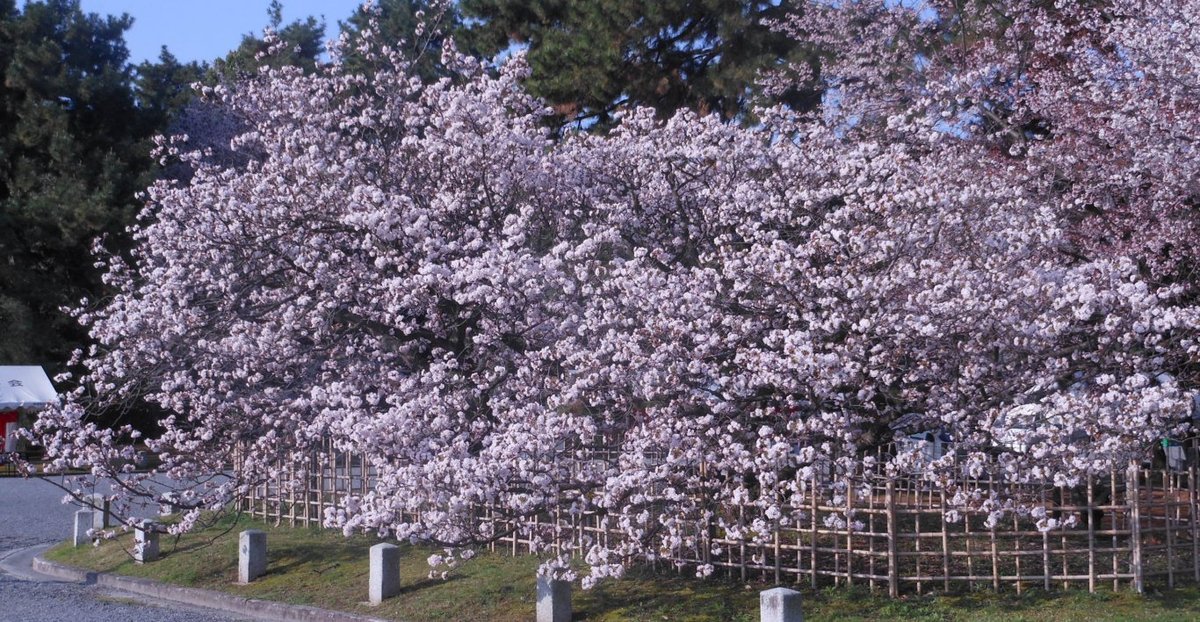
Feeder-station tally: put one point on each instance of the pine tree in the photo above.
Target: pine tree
(73, 154)
(302, 42)
(415, 27)
(164, 88)
(591, 57)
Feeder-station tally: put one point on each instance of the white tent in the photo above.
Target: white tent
(25, 386)
(22, 387)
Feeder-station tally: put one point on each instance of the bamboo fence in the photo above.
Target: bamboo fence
(1133, 528)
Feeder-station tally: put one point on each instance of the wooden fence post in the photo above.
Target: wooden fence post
(945, 541)
(1045, 547)
(849, 531)
(893, 567)
(1132, 495)
(1168, 523)
(1112, 501)
(995, 550)
(1091, 519)
(741, 541)
(1192, 522)
(813, 526)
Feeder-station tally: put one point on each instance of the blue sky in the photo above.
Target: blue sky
(205, 29)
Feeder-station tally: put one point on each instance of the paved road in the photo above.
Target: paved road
(32, 514)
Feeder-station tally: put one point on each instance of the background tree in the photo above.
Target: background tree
(74, 154)
(298, 44)
(163, 89)
(418, 27)
(591, 57)
(76, 121)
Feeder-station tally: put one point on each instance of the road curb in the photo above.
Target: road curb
(221, 601)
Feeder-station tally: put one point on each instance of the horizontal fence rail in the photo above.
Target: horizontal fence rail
(1132, 527)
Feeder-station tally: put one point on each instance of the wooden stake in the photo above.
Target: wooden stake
(1169, 524)
(1133, 498)
(893, 570)
(812, 567)
(849, 530)
(1091, 519)
(1112, 499)
(945, 543)
(1192, 523)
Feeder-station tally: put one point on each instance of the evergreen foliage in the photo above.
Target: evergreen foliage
(73, 154)
(591, 57)
(300, 45)
(163, 89)
(417, 28)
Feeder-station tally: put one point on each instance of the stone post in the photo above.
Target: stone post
(101, 516)
(385, 572)
(145, 542)
(553, 600)
(252, 555)
(83, 522)
(780, 605)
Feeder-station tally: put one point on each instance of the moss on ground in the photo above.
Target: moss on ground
(321, 568)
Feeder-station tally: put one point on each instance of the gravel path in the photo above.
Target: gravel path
(31, 513)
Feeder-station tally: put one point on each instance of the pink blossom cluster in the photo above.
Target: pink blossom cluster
(992, 239)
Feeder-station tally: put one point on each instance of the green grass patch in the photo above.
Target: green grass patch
(321, 568)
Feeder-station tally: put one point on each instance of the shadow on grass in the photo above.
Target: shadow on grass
(1185, 598)
(1031, 604)
(177, 547)
(648, 595)
(423, 584)
(284, 559)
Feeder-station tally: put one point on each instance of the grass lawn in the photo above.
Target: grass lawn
(321, 568)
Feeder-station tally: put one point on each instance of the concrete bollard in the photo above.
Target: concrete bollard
(252, 555)
(145, 542)
(780, 605)
(385, 572)
(83, 522)
(553, 600)
(101, 515)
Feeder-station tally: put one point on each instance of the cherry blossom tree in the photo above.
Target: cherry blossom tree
(1092, 100)
(678, 316)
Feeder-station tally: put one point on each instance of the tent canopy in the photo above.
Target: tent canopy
(25, 386)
